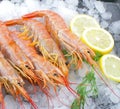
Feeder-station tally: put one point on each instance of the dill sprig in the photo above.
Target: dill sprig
(97, 56)
(87, 86)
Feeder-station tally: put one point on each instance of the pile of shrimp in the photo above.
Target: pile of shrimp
(34, 52)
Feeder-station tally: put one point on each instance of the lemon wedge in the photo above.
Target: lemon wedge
(98, 39)
(82, 22)
(110, 65)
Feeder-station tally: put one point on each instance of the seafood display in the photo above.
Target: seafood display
(34, 53)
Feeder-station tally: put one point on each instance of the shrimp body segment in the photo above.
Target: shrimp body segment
(47, 46)
(15, 56)
(12, 82)
(57, 27)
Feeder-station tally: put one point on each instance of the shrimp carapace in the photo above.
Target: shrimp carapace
(59, 30)
(12, 82)
(41, 38)
(15, 55)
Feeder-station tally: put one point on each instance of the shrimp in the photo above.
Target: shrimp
(59, 30)
(52, 74)
(15, 56)
(12, 82)
(49, 49)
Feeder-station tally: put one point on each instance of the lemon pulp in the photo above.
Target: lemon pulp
(98, 39)
(82, 22)
(110, 66)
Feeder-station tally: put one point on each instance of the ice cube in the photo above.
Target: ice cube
(118, 51)
(21, 10)
(106, 15)
(66, 13)
(72, 2)
(99, 6)
(104, 24)
(47, 2)
(10, 102)
(27, 105)
(89, 4)
(17, 1)
(7, 10)
(32, 5)
(84, 10)
(91, 12)
(116, 37)
(115, 27)
(97, 17)
(117, 106)
(58, 3)
(114, 99)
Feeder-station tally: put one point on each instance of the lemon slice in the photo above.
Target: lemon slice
(110, 66)
(82, 22)
(99, 40)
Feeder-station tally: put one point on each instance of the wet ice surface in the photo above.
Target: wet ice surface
(67, 9)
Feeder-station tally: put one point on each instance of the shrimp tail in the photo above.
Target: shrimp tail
(25, 94)
(2, 106)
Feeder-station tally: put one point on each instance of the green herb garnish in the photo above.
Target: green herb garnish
(97, 56)
(87, 86)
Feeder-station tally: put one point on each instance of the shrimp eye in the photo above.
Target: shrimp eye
(88, 51)
(66, 63)
(55, 74)
(27, 66)
(19, 83)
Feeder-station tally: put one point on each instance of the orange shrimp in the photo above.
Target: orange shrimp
(15, 56)
(47, 45)
(41, 65)
(57, 27)
(12, 82)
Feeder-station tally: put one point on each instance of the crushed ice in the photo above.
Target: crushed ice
(67, 9)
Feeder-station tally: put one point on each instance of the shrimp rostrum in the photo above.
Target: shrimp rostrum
(15, 56)
(47, 46)
(12, 82)
(59, 31)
